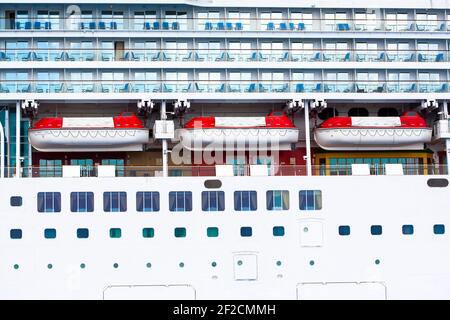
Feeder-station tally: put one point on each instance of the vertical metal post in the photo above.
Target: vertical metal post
(307, 139)
(447, 154)
(2, 152)
(444, 109)
(8, 143)
(18, 139)
(164, 141)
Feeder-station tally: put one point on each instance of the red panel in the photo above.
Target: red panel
(337, 122)
(127, 121)
(48, 123)
(201, 122)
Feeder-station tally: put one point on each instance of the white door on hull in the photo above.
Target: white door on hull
(245, 266)
(311, 233)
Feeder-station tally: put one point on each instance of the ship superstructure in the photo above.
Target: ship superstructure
(224, 149)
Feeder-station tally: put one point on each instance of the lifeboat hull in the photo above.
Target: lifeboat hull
(372, 138)
(237, 139)
(78, 140)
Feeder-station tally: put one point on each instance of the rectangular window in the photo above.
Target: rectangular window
(15, 233)
(179, 232)
(277, 200)
(310, 199)
(15, 201)
(180, 201)
(82, 201)
(245, 201)
(115, 233)
(212, 232)
(49, 202)
(147, 201)
(278, 231)
(213, 200)
(114, 201)
(82, 233)
(50, 233)
(148, 232)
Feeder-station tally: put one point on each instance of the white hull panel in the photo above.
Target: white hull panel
(76, 140)
(372, 139)
(237, 139)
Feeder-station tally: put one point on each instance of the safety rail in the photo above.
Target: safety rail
(227, 170)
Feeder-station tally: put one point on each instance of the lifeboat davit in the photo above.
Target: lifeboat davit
(122, 133)
(407, 132)
(275, 131)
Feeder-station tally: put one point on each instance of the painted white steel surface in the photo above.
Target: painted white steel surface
(411, 266)
(342, 291)
(145, 292)
(360, 169)
(71, 171)
(106, 170)
(393, 169)
(372, 139)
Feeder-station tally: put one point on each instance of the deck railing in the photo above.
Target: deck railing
(238, 170)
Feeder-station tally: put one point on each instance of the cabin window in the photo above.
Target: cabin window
(213, 200)
(407, 229)
(15, 201)
(376, 230)
(328, 113)
(49, 202)
(278, 231)
(148, 232)
(180, 232)
(277, 200)
(147, 201)
(246, 231)
(50, 233)
(344, 230)
(114, 201)
(115, 233)
(212, 232)
(180, 201)
(439, 229)
(358, 112)
(388, 112)
(82, 233)
(15, 233)
(310, 199)
(245, 201)
(82, 201)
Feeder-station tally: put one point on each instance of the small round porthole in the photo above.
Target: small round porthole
(213, 184)
(437, 183)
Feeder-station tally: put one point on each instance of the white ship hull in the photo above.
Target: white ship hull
(310, 261)
(78, 140)
(372, 139)
(237, 139)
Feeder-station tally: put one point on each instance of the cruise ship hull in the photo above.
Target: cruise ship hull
(311, 260)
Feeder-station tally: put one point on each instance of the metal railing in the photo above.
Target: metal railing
(230, 86)
(210, 171)
(222, 24)
(224, 55)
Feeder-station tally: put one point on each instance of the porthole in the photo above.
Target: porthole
(16, 266)
(82, 266)
(181, 264)
(149, 265)
(115, 265)
(214, 264)
(311, 262)
(49, 266)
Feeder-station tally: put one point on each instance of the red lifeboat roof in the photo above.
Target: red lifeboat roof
(124, 120)
(273, 120)
(409, 119)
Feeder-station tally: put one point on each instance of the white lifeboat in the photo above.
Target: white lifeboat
(275, 131)
(122, 133)
(408, 132)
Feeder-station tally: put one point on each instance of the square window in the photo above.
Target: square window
(407, 229)
(114, 201)
(246, 232)
(344, 230)
(147, 201)
(180, 201)
(115, 233)
(245, 201)
(148, 232)
(180, 232)
(439, 229)
(212, 232)
(277, 200)
(82, 233)
(15, 201)
(50, 233)
(213, 200)
(82, 201)
(15, 233)
(278, 231)
(376, 230)
(49, 202)
(310, 199)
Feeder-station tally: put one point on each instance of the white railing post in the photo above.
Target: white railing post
(164, 141)
(18, 113)
(307, 139)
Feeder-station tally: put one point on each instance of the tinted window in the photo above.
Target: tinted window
(82, 201)
(278, 231)
(277, 200)
(82, 233)
(246, 232)
(376, 230)
(213, 200)
(147, 201)
(50, 233)
(15, 233)
(245, 201)
(15, 201)
(180, 201)
(310, 199)
(115, 233)
(439, 229)
(212, 232)
(49, 202)
(148, 232)
(344, 230)
(180, 232)
(407, 229)
(114, 201)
